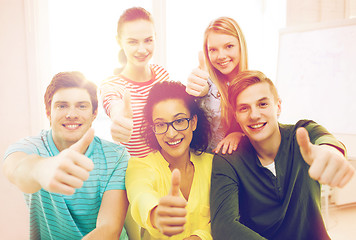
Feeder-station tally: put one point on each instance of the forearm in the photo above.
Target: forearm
(115, 108)
(132, 228)
(19, 168)
(111, 217)
(103, 232)
(203, 234)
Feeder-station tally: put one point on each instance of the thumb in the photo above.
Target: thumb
(201, 57)
(126, 98)
(83, 143)
(304, 144)
(175, 182)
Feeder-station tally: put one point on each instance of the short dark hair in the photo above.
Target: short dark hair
(246, 79)
(175, 90)
(73, 79)
(133, 14)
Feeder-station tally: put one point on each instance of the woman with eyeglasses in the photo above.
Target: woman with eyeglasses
(169, 189)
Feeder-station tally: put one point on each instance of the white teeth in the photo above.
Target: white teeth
(257, 125)
(224, 63)
(72, 126)
(174, 143)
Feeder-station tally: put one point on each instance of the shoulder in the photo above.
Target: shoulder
(244, 153)
(115, 80)
(151, 160)
(30, 145)
(315, 130)
(160, 72)
(203, 160)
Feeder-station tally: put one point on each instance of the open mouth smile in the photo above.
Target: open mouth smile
(223, 64)
(175, 142)
(71, 126)
(257, 126)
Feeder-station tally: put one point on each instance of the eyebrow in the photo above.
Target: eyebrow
(80, 102)
(263, 99)
(176, 115)
(135, 39)
(259, 100)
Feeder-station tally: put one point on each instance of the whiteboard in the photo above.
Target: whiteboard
(316, 75)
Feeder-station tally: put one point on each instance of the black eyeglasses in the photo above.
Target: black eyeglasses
(178, 125)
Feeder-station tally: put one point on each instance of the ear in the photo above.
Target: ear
(279, 107)
(118, 41)
(194, 122)
(95, 114)
(48, 114)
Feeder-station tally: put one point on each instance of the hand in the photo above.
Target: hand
(229, 143)
(170, 214)
(197, 83)
(122, 122)
(68, 170)
(327, 164)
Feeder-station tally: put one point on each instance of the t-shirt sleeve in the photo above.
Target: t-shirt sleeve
(142, 193)
(111, 89)
(116, 180)
(24, 145)
(224, 203)
(319, 135)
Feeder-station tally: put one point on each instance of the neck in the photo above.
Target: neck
(137, 74)
(182, 163)
(268, 149)
(61, 145)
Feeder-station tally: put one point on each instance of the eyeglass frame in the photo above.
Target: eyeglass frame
(171, 124)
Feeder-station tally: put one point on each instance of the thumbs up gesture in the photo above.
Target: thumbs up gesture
(327, 164)
(68, 170)
(197, 83)
(170, 214)
(121, 116)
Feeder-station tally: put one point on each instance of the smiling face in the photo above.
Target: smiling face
(224, 53)
(174, 144)
(257, 112)
(71, 116)
(137, 40)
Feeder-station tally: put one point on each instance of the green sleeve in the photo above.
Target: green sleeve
(319, 135)
(224, 204)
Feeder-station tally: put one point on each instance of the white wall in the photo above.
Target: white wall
(14, 107)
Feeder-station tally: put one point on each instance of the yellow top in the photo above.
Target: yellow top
(148, 179)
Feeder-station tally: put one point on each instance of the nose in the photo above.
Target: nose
(71, 113)
(171, 132)
(255, 113)
(141, 48)
(221, 54)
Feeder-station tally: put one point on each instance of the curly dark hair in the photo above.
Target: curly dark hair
(175, 90)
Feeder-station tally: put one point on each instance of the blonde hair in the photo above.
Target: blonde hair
(228, 26)
(246, 79)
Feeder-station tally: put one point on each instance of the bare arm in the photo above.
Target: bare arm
(121, 116)
(18, 168)
(111, 216)
(61, 174)
(197, 82)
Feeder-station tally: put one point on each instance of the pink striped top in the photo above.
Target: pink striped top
(114, 87)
